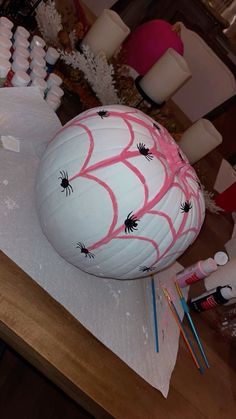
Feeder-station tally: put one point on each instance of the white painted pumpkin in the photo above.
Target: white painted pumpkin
(115, 195)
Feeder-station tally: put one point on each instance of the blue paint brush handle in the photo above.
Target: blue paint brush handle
(154, 306)
(198, 340)
(186, 311)
(201, 369)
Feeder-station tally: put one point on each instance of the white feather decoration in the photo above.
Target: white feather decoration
(49, 21)
(98, 73)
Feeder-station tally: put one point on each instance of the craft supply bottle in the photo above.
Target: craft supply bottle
(21, 31)
(18, 64)
(213, 298)
(37, 61)
(38, 72)
(5, 43)
(22, 52)
(5, 32)
(4, 21)
(53, 79)
(195, 272)
(5, 67)
(20, 79)
(37, 41)
(41, 84)
(37, 51)
(56, 90)
(53, 101)
(5, 53)
(51, 58)
(20, 41)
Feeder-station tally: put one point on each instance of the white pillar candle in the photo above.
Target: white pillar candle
(165, 77)
(198, 140)
(106, 34)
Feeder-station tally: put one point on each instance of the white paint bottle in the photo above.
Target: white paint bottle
(194, 273)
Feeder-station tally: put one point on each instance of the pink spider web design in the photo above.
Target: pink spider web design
(165, 149)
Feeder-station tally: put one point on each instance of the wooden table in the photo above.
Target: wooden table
(51, 339)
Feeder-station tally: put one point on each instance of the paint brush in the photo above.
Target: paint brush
(182, 330)
(154, 306)
(191, 324)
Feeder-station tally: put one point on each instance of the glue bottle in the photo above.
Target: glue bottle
(213, 298)
(199, 270)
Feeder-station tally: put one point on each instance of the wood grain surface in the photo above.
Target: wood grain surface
(43, 332)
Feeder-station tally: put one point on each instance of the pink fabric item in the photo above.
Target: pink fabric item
(148, 43)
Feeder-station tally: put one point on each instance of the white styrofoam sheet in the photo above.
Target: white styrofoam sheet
(119, 313)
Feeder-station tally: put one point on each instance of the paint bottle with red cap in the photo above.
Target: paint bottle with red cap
(213, 298)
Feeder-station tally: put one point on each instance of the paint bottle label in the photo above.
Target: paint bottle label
(195, 272)
(211, 299)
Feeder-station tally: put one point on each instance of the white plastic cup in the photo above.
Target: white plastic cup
(22, 52)
(5, 67)
(56, 90)
(5, 42)
(51, 58)
(7, 33)
(37, 41)
(37, 51)
(20, 78)
(53, 101)
(5, 53)
(38, 72)
(4, 21)
(54, 79)
(37, 61)
(20, 63)
(20, 41)
(41, 84)
(21, 31)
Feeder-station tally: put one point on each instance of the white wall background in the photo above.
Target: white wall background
(97, 6)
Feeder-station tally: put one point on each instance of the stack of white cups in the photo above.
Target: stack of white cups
(5, 46)
(54, 92)
(37, 64)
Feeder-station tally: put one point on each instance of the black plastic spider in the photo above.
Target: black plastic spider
(103, 114)
(65, 184)
(130, 223)
(83, 249)
(144, 151)
(146, 269)
(186, 206)
(156, 126)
